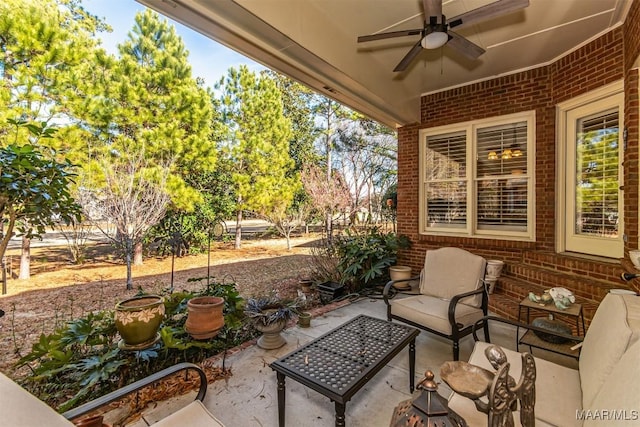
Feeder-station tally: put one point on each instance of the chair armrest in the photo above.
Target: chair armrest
(456, 298)
(135, 386)
(387, 287)
(526, 326)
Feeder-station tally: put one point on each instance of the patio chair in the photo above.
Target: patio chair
(452, 296)
(20, 408)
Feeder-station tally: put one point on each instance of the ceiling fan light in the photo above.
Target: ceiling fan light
(434, 40)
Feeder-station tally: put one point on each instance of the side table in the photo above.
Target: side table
(532, 340)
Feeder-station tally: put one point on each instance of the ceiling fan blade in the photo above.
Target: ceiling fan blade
(389, 35)
(415, 50)
(432, 8)
(501, 7)
(464, 46)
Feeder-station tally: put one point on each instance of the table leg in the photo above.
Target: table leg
(340, 418)
(281, 389)
(412, 364)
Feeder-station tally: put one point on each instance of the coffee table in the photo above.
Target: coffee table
(342, 361)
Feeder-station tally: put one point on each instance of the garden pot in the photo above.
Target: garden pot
(329, 291)
(304, 319)
(400, 272)
(138, 320)
(494, 269)
(271, 338)
(205, 318)
(305, 285)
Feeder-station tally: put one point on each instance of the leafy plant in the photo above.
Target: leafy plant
(364, 257)
(81, 359)
(270, 309)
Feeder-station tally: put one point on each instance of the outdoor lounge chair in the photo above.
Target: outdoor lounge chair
(19, 408)
(452, 296)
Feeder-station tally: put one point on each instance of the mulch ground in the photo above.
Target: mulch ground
(59, 291)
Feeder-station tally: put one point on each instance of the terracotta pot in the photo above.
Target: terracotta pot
(205, 317)
(138, 320)
(305, 285)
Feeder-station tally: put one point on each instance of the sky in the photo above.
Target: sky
(209, 59)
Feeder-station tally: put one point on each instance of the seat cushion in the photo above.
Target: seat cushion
(603, 344)
(193, 415)
(433, 313)
(558, 393)
(19, 408)
(452, 271)
(618, 394)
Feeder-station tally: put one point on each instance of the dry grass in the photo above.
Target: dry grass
(59, 291)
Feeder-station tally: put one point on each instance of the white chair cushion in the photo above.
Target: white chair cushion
(433, 313)
(618, 393)
(603, 345)
(558, 404)
(193, 415)
(19, 408)
(452, 271)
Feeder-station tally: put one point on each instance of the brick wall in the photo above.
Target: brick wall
(609, 58)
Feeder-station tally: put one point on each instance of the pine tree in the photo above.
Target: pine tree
(145, 104)
(257, 144)
(43, 44)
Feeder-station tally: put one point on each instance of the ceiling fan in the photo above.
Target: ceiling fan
(436, 31)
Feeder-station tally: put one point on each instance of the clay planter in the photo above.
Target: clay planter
(305, 285)
(138, 320)
(205, 317)
(304, 319)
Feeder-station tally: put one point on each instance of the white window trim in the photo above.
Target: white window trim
(599, 98)
(471, 229)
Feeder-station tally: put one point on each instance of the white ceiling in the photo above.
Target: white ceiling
(314, 42)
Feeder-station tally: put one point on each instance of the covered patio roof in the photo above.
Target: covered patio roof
(315, 43)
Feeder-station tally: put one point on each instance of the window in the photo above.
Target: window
(477, 178)
(590, 133)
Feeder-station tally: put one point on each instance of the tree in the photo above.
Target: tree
(257, 143)
(147, 104)
(134, 196)
(34, 191)
(42, 44)
(367, 157)
(326, 197)
(331, 115)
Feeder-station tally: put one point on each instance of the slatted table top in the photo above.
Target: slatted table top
(340, 362)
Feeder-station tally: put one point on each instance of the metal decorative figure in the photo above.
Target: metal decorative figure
(501, 390)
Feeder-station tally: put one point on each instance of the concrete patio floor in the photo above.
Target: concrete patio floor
(249, 397)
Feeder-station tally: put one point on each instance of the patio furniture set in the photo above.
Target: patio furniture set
(339, 363)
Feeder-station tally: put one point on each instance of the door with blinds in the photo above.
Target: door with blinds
(593, 217)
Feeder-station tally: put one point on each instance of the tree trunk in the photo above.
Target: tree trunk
(25, 259)
(137, 256)
(129, 250)
(329, 226)
(238, 229)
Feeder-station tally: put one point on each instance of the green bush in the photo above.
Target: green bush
(81, 360)
(364, 257)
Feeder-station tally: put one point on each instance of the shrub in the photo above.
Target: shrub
(81, 359)
(359, 259)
